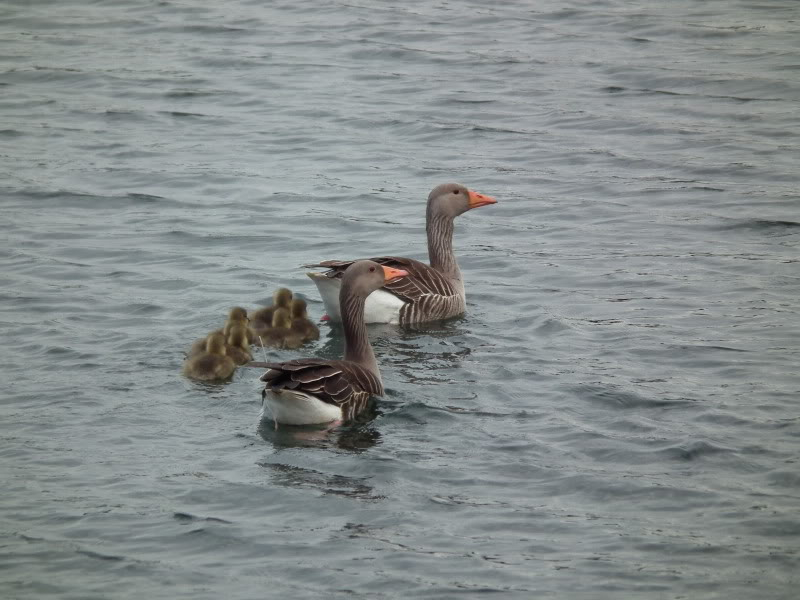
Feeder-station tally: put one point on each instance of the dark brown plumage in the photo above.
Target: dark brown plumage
(429, 292)
(313, 390)
(339, 382)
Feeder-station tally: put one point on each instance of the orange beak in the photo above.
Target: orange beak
(390, 274)
(476, 200)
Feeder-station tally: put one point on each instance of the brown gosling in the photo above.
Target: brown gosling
(213, 364)
(262, 318)
(301, 323)
(282, 298)
(238, 345)
(281, 335)
(237, 316)
(199, 346)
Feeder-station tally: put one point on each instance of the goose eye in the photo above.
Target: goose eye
(372, 268)
(456, 191)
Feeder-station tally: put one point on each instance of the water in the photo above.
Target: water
(616, 415)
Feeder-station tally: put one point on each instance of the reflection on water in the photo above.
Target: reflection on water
(356, 436)
(332, 484)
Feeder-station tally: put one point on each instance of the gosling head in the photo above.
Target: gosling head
(299, 309)
(282, 297)
(237, 313)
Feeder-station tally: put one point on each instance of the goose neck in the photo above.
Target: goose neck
(439, 228)
(356, 341)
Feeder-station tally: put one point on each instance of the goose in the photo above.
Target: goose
(281, 334)
(199, 345)
(238, 345)
(429, 292)
(213, 364)
(237, 317)
(262, 318)
(300, 321)
(317, 390)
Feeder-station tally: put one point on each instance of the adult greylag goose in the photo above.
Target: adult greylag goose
(300, 321)
(317, 390)
(262, 318)
(281, 334)
(213, 364)
(429, 292)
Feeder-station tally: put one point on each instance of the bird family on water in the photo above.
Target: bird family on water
(285, 324)
(386, 289)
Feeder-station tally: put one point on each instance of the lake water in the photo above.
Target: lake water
(616, 416)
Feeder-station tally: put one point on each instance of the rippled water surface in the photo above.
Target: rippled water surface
(616, 415)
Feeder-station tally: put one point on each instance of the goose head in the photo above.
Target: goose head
(453, 199)
(365, 276)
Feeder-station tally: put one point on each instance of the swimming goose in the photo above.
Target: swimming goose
(213, 364)
(199, 345)
(238, 345)
(281, 334)
(429, 292)
(317, 390)
(238, 317)
(262, 318)
(300, 321)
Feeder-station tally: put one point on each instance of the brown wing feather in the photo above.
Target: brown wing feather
(334, 381)
(422, 280)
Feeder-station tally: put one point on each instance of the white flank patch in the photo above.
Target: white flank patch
(381, 306)
(329, 292)
(291, 407)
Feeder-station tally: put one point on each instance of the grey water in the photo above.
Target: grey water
(616, 416)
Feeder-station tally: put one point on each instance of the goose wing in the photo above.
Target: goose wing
(422, 286)
(337, 382)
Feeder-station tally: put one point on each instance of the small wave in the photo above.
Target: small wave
(621, 399)
(694, 451)
(179, 114)
(99, 556)
(765, 225)
(188, 517)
